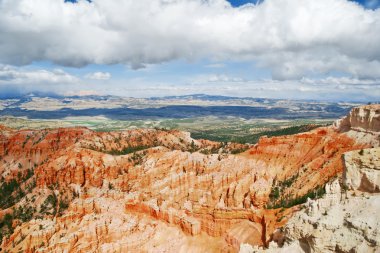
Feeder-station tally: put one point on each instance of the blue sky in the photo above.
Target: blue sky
(236, 3)
(279, 49)
(370, 4)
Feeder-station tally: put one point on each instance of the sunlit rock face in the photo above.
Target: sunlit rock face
(362, 170)
(341, 221)
(346, 218)
(365, 118)
(157, 191)
(362, 124)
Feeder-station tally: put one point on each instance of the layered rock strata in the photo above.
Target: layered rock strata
(344, 220)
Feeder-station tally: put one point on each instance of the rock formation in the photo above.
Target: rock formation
(346, 219)
(362, 170)
(76, 190)
(341, 221)
(364, 118)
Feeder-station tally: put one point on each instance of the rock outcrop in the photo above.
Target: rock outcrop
(364, 118)
(343, 220)
(362, 170)
(362, 124)
(312, 158)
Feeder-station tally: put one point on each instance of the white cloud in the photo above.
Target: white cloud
(81, 93)
(221, 78)
(98, 76)
(14, 75)
(341, 81)
(332, 88)
(215, 65)
(293, 38)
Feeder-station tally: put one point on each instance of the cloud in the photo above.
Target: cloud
(14, 75)
(325, 89)
(220, 78)
(215, 65)
(16, 81)
(341, 81)
(292, 38)
(81, 93)
(98, 76)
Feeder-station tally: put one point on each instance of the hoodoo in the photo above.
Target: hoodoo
(73, 189)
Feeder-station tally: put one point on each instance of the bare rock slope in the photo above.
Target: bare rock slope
(347, 218)
(341, 221)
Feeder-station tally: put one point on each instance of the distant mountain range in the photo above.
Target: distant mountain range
(42, 106)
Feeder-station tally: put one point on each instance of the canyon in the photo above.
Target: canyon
(157, 190)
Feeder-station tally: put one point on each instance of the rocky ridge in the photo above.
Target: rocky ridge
(347, 218)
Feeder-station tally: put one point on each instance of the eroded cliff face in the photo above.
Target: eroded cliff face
(158, 191)
(364, 118)
(344, 220)
(362, 124)
(362, 170)
(347, 217)
(310, 159)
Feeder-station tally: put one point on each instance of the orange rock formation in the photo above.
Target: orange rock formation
(166, 197)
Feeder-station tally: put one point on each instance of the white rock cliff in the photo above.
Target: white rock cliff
(347, 218)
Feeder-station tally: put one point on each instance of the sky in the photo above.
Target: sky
(324, 50)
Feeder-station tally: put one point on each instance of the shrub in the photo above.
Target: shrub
(275, 193)
(63, 205)
(127, 150)
(238, 150)
(286, 203)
